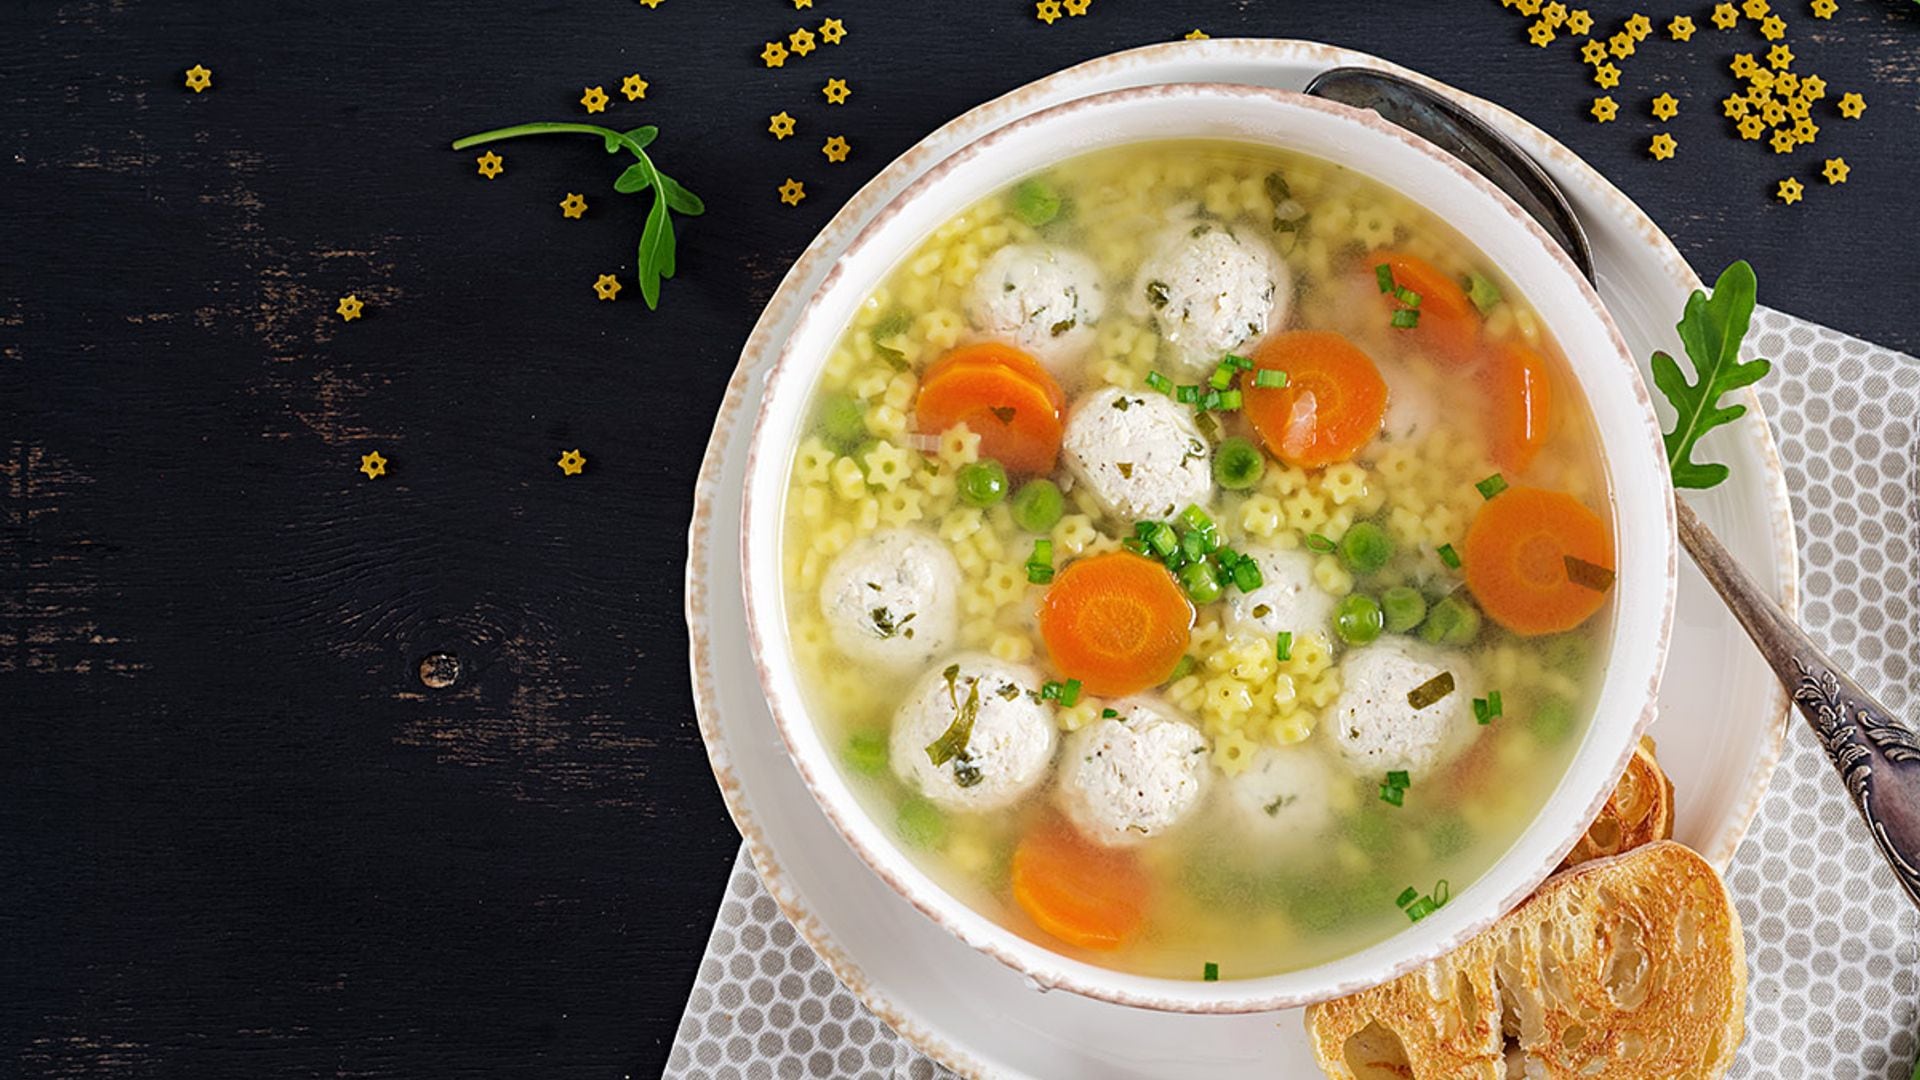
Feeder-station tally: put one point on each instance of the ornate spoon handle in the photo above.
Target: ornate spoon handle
(1877, 755)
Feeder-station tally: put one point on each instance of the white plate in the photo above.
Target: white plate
(1722, 713)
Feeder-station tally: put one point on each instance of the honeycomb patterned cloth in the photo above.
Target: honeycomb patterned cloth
(1833, 947)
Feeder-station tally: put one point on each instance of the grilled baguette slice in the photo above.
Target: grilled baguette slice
(1639, 811)
(1623, 968)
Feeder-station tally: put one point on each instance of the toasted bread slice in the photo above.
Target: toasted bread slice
(1622, 968)
(1640, 811)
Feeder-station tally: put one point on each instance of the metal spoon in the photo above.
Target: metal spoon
(1877, 755)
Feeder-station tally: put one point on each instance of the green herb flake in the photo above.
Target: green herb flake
(1482, 291)
(1210, 972)
(1711, 329)
(1319, 543)
(1392, 795)
(1588, 575)
(1384, 275)
(1070, 693)
(1407, 897)
(1491, 486)
(1160, 383)
(1449, 556)
(1270, 379)
(952, 742)
(1405, 319)
(1431, 691)
(1283, 645)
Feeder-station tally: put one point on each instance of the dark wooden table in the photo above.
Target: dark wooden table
(238, 834)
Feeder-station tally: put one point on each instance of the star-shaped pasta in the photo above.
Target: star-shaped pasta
(1607, 76)
(1773, 28)
(800, 41)
(1554, 14)
(1852, 105)
(1772, 111)
(574, 205)
(373, 465)
(1605, 108)
(1786, 83)
(1621, 44)
(1196, 34)
(634, 87)
(651, 3)
(1640, 27)
(1756, 8)
(1681, 28)
(780, 124)
(832, 30)
(607, 286)
(798, 4)
(836, 91)
(1813, 88)
(774, 55)
(595, 99)
(1790, 190)
(1780, 57)
(349, 308)
(1783, 140)
(1824, 9)
(1799, 108)
(1665, 107)
(1529, 8)
(1751, 127)
(491, 164)
(837, 149)
(199, 78)
(792, 192)
(1579, 21)
(1836, 170)
(1663, 146)
(1805, 130)
(1540, 34)
(1594, 52)
(1761, 79)
(1734, 106)
(1047, 11)
(572, 463)
(1725, 16)
(1744, 64)
(1075, 8)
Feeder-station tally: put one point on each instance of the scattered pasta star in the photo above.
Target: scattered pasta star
(572, 462)
(1773, 28)
(1751, 127)
(634, 87)
(1529, 8)
(832, 30)
(1783, 140)
(595, 99)
(1734, 106)
(798, 4)
(607, 286)
(1761, 79)
(1790, 190)
(1824, 9)
(349, 308)
(1836, 170)
(1605, 108)
(1681, 28)
(1805, 130)
(1787, 83)
(651, 3)
(1773, 112)
(1663, 146)
(780, 124)
(1780, 57)
(1540, 34)
(774, 55)
(1047, 11)
(792, 192)
(1813, 88)
(836, 91)
(1607, 76)
(199, 78)
(1621, 44)
(1725, 16)
(800, 41)
(491, 164)
(1594, 52)
(836, 149)
(1555, 14)
(1665, 107)
(1852, 105)
(1756, 8)
(1744, 64)
(1640, 27)
(1076, 8)
(373, 465)
(1196, 34)
(574, 205)
(1579, 21)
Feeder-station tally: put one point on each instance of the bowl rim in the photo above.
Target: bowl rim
(1043, 966)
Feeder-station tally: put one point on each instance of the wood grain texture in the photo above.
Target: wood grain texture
(239, 836)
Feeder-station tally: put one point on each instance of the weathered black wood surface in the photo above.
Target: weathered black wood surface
(238, 835)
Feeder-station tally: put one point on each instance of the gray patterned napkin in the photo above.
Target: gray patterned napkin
(1832, 945)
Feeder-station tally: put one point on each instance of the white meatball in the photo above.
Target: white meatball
(1128, 779)
(1045, 299)
(1413, 405)
(1377, 728)
(889, 599)
(1007, 747)
(1284, 798)
(1138, 453)
(1212, 291)
(1288, 598)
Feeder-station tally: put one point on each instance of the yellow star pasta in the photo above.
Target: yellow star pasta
(1663, 146)
(491, 164)
(1047, 11)
(1751, 127)
(1852, 105)
(1790, 190)
(1640, 27)
(800, 42)
(1824, 9)
(837, 149)
(1681, 28)
(774, 55)
(833, 31)
(1773, 28)
(1665, 107)
(634, 87)
(1734, 106)
(1780, 57)
(199, 78)
(780, 124)
(1540, 34)
(1756, 8)
(572, 463)
(606, 286)
(836, 91)
(1607, 76)
(1594, 52)
(1621, 44)
(373, 465)
(1579, 21)
(1725, 16)
(1605, 109)
(349, 308)
(574, 205)
(1836, 170)
(595, 99)
(792, 192)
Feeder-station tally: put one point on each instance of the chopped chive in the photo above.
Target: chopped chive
(1487, 708)
(1431, 691)
(1222, 376)
(1163, 540)
(1491, 486)
(1316, 542)
(1235, 359)
(1183, 669)
(1270, 378)
(1187, 395)
(1229, 400)
(1588, 575)
(1421, 908)
(1070, 693)
(1449, 556)
(1160, 382)
(1196, 518)
(1109, 714)
(1406, 296)
(1040, 563)
(1407, 897)
(1133, 544)
(1393, 795)
(1246, 575)
(1442, 892)
(1405, 319)
(1399, 778)
(1210, 972)
(1211, 400)
(1384, 275)
(1483, 292)
(1283, 645)
(1049, 691)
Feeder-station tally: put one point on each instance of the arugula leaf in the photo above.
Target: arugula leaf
(656, 258)
(1712, 330)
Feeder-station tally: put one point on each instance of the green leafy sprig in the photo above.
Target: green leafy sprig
(656, 258)
(1712, 329)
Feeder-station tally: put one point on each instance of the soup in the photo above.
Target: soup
(1201, 559)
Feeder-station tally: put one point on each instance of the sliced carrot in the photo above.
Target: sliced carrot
(1538, 561)
(1331, 406)
(1449, 325)
(1117, 622)
(1519, 406)
(1001, 394)
(1081, 893)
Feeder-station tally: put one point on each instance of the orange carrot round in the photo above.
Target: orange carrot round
(1449, 325)
(1331, 406)
(1081, 893)
(1519, 406)
(1002, 395)
(1117, 622)
(1538, 561)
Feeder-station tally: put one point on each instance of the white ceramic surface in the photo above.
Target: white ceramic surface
(1720, 733)
(1514, 245)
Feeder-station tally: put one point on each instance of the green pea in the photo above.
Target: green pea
(983, 483)
(1451, 621)
(1238, 464)
(1036, 202)
(921, 823)
(866, 753)
(1552, 719)
(1357, 618)
(1404, 607)
(843, 421)
(1366, 547)
(1201, 584)
(1038, 504)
